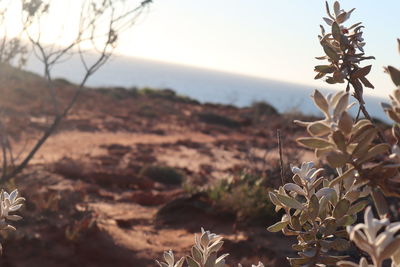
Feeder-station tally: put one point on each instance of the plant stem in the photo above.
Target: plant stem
(280, 155)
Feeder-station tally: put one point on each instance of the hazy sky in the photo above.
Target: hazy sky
(272, 39)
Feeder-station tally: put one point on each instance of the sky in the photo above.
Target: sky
(264, 38)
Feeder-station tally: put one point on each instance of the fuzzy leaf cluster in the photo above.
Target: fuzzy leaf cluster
(317, 212)
(344, 51)
(9, 203)
(352, 145)
(377, 237)
(204, 253)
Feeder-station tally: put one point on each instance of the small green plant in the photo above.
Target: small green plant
(75, 231)
(244, 194)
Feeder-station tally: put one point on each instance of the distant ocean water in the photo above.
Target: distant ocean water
(201, 84)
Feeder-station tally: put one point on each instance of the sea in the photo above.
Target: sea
(201, 84)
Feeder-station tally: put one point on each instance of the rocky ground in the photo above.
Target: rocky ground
(90, 201)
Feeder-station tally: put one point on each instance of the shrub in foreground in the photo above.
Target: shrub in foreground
(320, 211)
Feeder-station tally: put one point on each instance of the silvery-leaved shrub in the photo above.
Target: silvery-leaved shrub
(320, 210)
(204, 253)
(9, 204)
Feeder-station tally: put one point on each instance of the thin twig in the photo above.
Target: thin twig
(366, 114)
(280, 155)
(358, 114)
(358, 96)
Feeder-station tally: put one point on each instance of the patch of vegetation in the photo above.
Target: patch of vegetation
(243, 194)
(133, 92)
(213, 118)
(259, 111)
(167, 94)
(119, 93)
(262, 108)
(162, 174)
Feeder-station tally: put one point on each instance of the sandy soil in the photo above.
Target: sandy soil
(87, 205)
